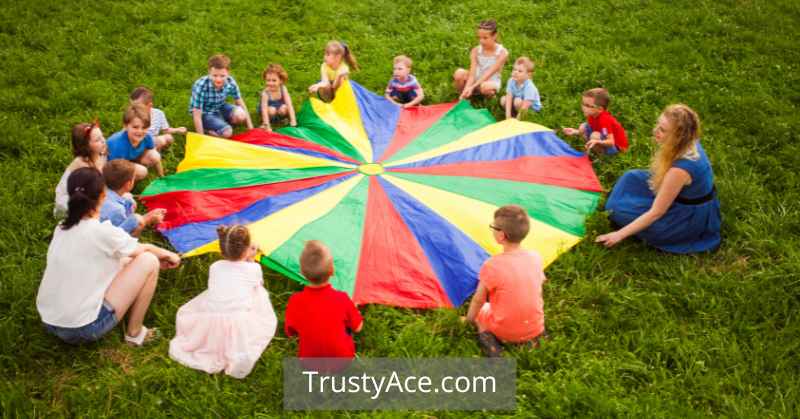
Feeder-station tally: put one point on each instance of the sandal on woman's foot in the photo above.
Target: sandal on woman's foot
(145, 336)
(490, 345)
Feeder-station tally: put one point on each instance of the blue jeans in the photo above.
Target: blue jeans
(106, 320)
(218, 121)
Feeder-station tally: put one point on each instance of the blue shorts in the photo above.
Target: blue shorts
(220, 120)
(403, 97)
(106, 320)
(587, 134)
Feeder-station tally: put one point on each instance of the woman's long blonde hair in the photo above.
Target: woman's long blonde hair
(681, 139)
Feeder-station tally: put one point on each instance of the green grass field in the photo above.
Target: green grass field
(635, 332)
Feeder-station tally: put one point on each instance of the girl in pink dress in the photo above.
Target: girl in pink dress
(229, 325)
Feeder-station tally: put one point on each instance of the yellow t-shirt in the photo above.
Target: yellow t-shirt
(333, 74)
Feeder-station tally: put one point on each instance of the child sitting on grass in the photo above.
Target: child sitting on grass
(403, 88)
(486, 65)
(507, 305)
(133, 143)
(210, 113)
(158, 121)
(335, 69)
(229, 325)
(324, 319)
(89, 149)
(602, 132)
(521, 93)
(118, 206)
(275, 104)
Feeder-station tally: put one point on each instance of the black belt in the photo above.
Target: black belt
(697, 201)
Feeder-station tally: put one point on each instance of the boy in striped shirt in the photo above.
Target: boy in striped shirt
(403, 88)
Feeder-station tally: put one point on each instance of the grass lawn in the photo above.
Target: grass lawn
(635, 332)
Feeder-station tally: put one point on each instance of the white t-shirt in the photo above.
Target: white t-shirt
(62, 197)
(81, 263)
(158, 122)
(230, 284)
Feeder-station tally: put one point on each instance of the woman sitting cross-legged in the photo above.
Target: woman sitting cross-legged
(96, 273)
(673, 207)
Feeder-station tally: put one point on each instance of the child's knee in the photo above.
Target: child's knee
(460, 75)
(271, 111)
(283, 110)
(517, 103)
(595, 136)
(140, 171)
(238, 115)
(227, 132)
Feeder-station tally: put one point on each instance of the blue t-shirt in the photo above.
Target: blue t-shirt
(527, 91)
(119, 211)
(119, 147)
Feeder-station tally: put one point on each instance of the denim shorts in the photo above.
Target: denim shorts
(94, 331)
(587, 133)
(218, 121)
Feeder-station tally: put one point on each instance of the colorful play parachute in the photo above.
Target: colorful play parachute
(403, 197)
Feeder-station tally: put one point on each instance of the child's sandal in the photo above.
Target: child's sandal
(145, 336)
(490, 345)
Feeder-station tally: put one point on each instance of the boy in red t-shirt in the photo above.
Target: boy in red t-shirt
(323, 318)
(508, 304)
(603, 133)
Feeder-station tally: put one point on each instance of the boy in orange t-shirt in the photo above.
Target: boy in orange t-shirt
(508, 305)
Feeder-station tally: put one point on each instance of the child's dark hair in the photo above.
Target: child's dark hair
(136, 110)
(81, 134)
(339, 47)
(276, 69)
(233, 241)
(513, 221)
(219, 62)
(142, 95)
(117, 173)
(315, 262)
(85, 186)
(488, 25)
(599, 95)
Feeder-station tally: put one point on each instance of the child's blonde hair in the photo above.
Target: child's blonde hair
(233, 241)
(276, 69)
(136, 110)
(315, 262)
(526, 63)
(341, 48)
(403, 59)
(685, 131)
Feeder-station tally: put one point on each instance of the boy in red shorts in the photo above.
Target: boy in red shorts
(602, 132)
(323, 318)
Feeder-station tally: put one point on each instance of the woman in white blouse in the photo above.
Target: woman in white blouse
(96, 273)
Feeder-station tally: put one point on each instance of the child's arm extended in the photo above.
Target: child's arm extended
(265, 112)
(477, 302)
(323, 81)
(240, 102)
(176, 130)
(339, 79)
(289, 106)
(197, 117)
(473, 64)
(418, 99)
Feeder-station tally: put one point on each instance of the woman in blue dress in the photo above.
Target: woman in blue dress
(673, 206)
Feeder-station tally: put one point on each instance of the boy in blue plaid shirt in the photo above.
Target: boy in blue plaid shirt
(210, 111)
